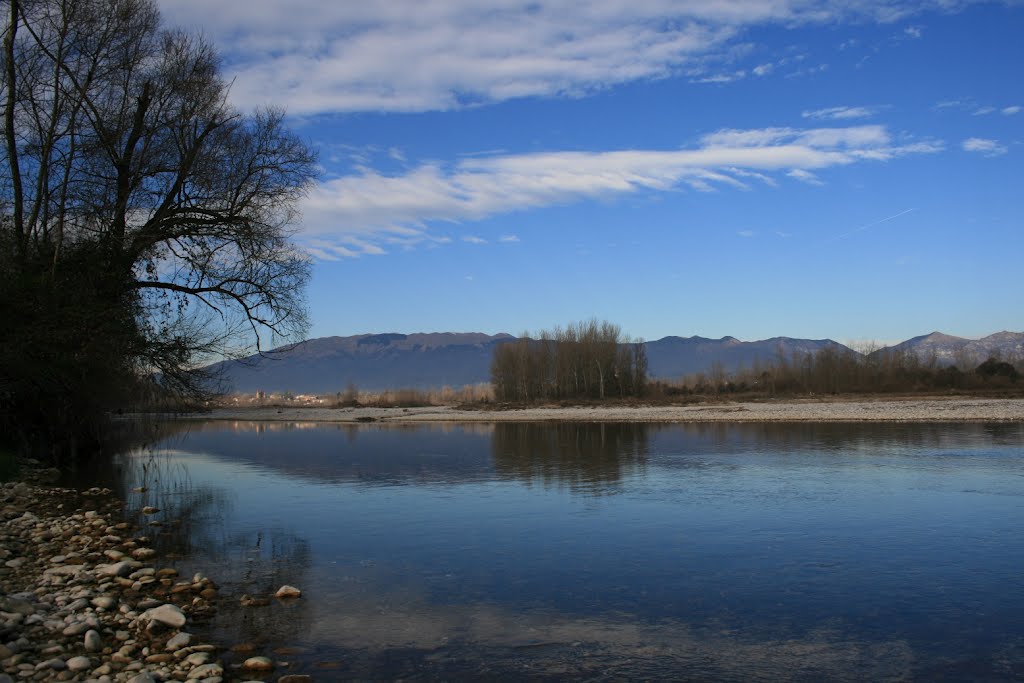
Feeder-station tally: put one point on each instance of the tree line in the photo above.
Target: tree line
(144, 221)
(834, 370)
(584, 360)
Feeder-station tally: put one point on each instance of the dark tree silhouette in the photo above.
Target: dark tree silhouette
(145, 221)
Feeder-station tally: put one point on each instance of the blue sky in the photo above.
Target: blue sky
(754, 168)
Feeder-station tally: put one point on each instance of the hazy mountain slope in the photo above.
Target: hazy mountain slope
(672, 357)
(371, 362)
(949, 350)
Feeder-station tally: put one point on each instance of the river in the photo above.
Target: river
(540, 551)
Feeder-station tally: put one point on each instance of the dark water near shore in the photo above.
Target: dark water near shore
(604, 552)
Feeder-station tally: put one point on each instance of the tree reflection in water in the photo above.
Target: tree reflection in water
(586, 458)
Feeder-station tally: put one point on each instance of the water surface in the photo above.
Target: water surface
(605, 551)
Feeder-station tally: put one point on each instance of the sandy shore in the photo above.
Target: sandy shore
(908, 410)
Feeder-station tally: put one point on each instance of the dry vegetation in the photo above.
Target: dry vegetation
(833, 372)
(352, 397)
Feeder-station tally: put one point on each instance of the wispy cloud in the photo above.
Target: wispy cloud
(746, 233)
(989, 148)
(509, 239)
(372, 206)
(976, 109)
(419, 55)
(840, 113)
(473, 239)
(805, 176)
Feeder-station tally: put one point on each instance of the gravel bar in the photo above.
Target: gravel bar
(807, 410)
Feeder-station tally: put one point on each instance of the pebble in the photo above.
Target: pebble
(104, 602)
(93, 642)
(75, 607)
(287, 592)
(178, 641)
(206, 671)
(258, 664)
(168, 615)
(79, 663)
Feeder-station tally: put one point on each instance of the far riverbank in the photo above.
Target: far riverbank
(932, 409)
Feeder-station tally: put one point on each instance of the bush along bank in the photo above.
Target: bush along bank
(80, 601)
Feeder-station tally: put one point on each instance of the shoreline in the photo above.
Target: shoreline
(932, 409)
(84, 597)
(81, 597)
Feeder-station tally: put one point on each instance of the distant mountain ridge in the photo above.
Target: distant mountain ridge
(673, 357)
(376, 362)
(369, 361)
(950, 350)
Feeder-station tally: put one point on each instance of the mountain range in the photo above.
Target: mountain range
(375, 362)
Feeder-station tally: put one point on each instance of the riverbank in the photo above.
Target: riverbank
(933, 409)
(82, 598)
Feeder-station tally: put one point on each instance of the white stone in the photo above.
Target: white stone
(287, 592)
(104, 602)
(79, 663)
(197, 658)
(258, 664)
(206, 671)
(178, 641)
(123, 568)
(63, 570)
(168, 615)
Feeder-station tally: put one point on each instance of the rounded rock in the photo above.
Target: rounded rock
(258, 664)
(78, 663)
(287, 592)
(167, 614)
(93, 642)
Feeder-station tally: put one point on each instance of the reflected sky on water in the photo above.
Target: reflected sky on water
(545, 551)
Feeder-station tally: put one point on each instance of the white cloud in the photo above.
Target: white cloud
(984, 111)
(805, 176)
(913, 32)
(1010, 111)
(746, 233)
(990, 148)
(509, 239)
(370, 206)
(839, 113)
(722, 77)
(418, 55)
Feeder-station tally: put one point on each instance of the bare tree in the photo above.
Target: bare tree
(588, 359)
(135, 194)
